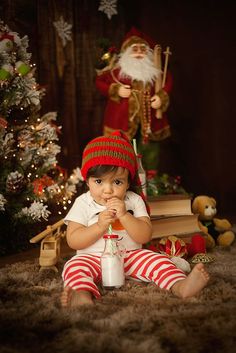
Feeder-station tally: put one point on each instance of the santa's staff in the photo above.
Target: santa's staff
(161, 80)
(157, 63)
(158, 83)
(167, 53)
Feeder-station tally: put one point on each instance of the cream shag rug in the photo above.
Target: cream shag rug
(139, 318)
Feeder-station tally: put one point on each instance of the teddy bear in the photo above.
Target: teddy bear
(218, 231)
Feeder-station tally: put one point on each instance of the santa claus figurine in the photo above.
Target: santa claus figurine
(133, 97)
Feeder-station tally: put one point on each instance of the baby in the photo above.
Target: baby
(109, 168)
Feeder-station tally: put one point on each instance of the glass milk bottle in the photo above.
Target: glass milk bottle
(142, 174)
(112, 263)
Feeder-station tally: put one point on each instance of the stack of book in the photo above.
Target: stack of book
(172, 215)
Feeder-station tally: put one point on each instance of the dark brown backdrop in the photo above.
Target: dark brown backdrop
(201, 35)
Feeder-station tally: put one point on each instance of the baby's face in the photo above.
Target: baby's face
(114, 184)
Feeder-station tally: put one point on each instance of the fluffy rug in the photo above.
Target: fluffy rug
(139, 318)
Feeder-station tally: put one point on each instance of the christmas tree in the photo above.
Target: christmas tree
(33, 187)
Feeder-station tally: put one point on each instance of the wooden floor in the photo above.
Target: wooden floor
(33, 254)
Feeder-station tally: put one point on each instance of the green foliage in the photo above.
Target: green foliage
(33, 188)
(163, 184)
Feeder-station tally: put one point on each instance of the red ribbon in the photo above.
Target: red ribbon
(3, 123)
(7, 36)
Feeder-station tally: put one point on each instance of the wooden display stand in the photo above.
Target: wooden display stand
(50, 249)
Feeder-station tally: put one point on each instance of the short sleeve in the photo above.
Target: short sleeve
(78, 212)
(136, 204)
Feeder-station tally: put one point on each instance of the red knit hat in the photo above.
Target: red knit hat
(115, 150)
(135, 36)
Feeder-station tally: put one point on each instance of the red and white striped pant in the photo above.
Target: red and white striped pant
(83, 271)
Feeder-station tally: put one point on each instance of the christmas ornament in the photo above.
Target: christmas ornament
(6, 72)
(22, 68)
(106, 55)
(63, 30)
(172, 246)
(6, 45)
(36, 211)
(14, 182)
(108, 7)
(3, 123)
(41, 183)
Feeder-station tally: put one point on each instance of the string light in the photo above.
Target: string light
(28, 150)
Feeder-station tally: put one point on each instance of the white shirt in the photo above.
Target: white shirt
(85, 211)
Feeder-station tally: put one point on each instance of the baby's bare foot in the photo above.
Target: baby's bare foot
(72, 298)
(193, 283)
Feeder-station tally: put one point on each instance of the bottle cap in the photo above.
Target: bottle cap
(110, 236)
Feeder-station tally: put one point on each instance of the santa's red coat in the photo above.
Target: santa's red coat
(118, 111)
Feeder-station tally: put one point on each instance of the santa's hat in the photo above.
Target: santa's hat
(135, 36)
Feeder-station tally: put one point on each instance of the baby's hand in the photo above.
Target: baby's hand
(117, 206)
(105, 218)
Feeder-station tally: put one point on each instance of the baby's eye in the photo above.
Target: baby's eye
(98, 181)
(117, 182)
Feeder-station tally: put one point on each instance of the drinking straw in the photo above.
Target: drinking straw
(110, 229)
(135, 146)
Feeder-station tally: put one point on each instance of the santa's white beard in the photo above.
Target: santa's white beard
(140, 69)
